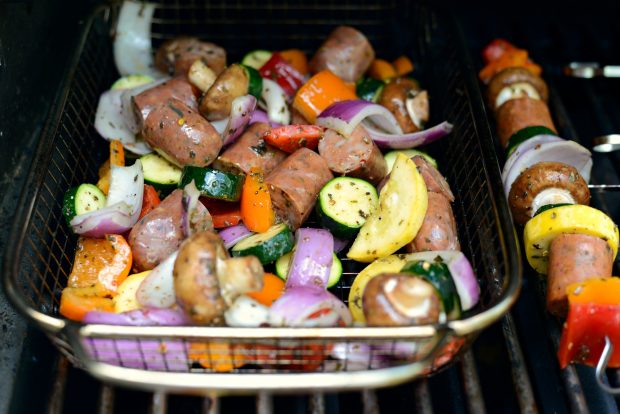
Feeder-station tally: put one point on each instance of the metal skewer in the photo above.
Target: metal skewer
(604, 187)
(588, 70)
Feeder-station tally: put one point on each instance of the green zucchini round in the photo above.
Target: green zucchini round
(82, 199)
(267, 246)
(214, 184)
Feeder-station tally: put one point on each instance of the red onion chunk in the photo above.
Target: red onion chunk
(110, 120)
(127, 186)
(157, 289)
(240, 115)
(260, 116)
(139, 317)
(462, 274)
(234, 234)
(412, 140)
(154, 355)
(526, 146)
(312, 258)
(344, 116)
(309, 307)
(340, 244)
(276, 101)
(115, 219)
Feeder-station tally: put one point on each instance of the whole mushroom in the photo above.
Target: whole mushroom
(207, 280)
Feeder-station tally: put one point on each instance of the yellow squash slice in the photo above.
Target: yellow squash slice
(125, 299)
(575, 219)
(397, 220)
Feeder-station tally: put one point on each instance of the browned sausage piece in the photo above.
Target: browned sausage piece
(215, 104)
(433, 179)
(438, 231)
(250, 151)
(540, 177)
(175, 56)
(295, 184)
(356, 156)
(519, 113)
(346, 52)
(160, 232)
(177, 88)
(394, 97)
(575, 258)
(511, 76)
(181, 134)
(397, 299)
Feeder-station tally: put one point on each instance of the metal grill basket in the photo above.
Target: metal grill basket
(225, 360)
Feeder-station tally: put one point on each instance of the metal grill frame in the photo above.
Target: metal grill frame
(484, 223)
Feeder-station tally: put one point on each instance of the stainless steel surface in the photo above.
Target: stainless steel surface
(606, 143)
(588, 70)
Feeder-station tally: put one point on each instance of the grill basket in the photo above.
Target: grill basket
(246, 360)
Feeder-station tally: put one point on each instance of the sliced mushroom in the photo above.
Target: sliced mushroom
(215, 104)
(417, 108)
(207, 280)
(394, 97)
(398, 299)
(515, 82)
(546, 183)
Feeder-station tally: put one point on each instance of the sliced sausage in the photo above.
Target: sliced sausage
(346, 53)
(575, 258)
(519, 113)
(438, 231)
(355, 156)
(250, 151)
(433, 179)
(175, 56)
(160, 232)
(512, 76)
(545, 176)
(394, 97)
(295, 184)
(181, 134)
(177, 88)
(215, 104)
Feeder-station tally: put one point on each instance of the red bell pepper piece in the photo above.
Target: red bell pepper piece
(594, 313)
(290, 138)
(496, 49)
(150, 200)
(223, 213)
(281, 72)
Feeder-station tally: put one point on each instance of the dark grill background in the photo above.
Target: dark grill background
(35, 42)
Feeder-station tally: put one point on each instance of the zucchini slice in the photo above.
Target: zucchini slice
(256, 58)
(390, 157)
(255, 82)
(214, 184)
(160, 173)
(267, 246)
(82, 199)
(369, 89)
(284, 263)
(344, 204)
(438, 275)
(131, 81)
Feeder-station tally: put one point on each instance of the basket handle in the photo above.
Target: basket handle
(601, 366)
(243, 383)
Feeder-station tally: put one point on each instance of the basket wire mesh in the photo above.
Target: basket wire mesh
(38, 264)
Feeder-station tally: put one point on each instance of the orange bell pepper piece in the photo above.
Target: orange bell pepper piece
(150, 200)
(220, 357)
(256, 210)
(510, 58)
(102, 264)
(117, 158)
(403, 65)
(297, 59)
(290, 138)
(321, 90)
(223, 213)
(593, 312)
(381, 69)
(77, 302)
(273, 287)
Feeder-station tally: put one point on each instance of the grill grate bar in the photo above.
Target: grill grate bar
(159, 403)
(422, 396)
(106, 399)
(317, 403)
(370, 402)
(264, 403)
(520, 377)
(471, 383)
